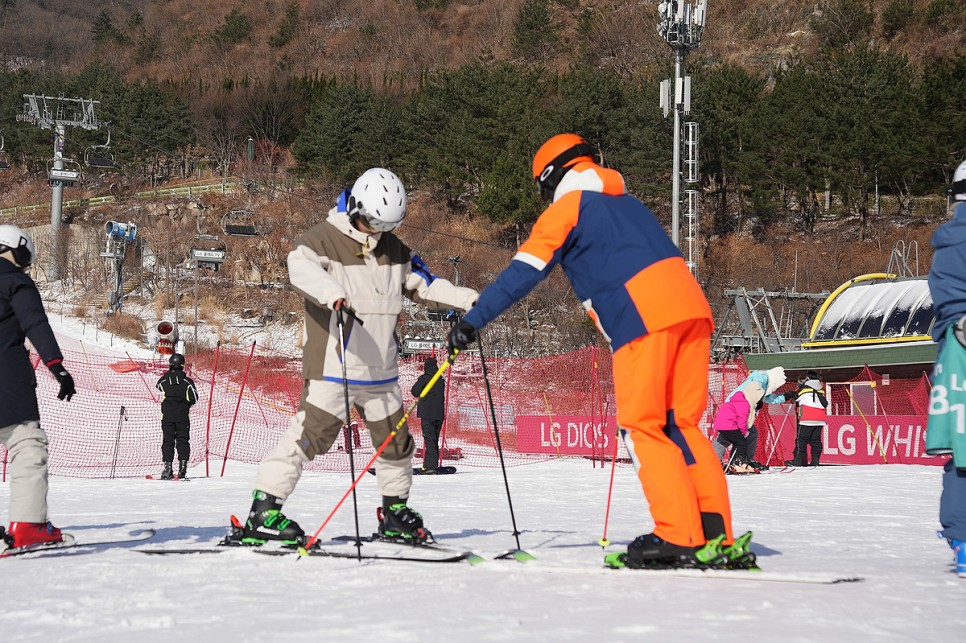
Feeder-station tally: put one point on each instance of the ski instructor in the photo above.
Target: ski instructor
(352, 262)
(637, 289)
(22, 316)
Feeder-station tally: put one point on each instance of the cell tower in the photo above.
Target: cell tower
(47, 112)
(681, 25)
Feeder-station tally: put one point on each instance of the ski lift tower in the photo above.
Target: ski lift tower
(47, 112)
(681, 25)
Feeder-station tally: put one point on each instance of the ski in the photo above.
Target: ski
(431, 545)
(174, 479)
(433, 555)
(750, 575)
(70, 542)
(439, 471)
(443, 558)
(419, 471)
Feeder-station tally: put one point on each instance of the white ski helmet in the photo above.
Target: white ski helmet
(957, 189)
(379, 198)
(17, 241)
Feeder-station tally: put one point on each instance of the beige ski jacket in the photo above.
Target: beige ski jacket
(332, 261)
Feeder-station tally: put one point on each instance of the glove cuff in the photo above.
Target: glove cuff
(56, 366)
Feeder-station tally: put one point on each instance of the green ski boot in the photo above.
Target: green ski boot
(738, 555)
(267, 522)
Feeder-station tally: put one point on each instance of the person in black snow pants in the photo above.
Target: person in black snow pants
(431, 412)
(178, 395)
(22, 316)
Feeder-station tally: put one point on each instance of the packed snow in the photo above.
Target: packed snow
(876, 522)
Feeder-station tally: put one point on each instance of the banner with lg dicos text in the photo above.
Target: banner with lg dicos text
(847, 439)
(567, 435)
(858, 439)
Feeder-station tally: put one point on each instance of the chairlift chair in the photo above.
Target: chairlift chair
(240, 223)
(100, 156)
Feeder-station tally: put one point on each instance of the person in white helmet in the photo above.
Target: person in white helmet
(22, 316)
(945, 435)
(354, 272)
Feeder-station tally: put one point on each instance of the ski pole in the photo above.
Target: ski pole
(731, 458)
(340, 320)
(303, 551)
(603, 542)
(122, 415)
(518, 553)
(875, 438)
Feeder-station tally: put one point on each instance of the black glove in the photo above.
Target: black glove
(789, 396)
(67, 389)
(460, 336)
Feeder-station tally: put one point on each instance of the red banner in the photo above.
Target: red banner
(566, 435)
(847, 439)
(857, 439)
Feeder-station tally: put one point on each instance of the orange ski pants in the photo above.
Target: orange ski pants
(661, 383)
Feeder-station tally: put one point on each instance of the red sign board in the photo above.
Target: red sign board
(848, 439)
(566, 435)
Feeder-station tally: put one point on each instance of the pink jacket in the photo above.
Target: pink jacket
(733, 415)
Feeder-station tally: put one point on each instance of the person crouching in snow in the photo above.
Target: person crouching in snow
(735, 422)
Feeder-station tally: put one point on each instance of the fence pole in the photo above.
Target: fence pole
(211, 397)
(144, 381)
(231, 431)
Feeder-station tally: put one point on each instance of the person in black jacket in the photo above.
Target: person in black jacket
(22, 316)
(431, 412)
(178, 395)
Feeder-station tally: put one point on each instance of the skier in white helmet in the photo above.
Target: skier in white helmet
(352, 267)
(22, 316)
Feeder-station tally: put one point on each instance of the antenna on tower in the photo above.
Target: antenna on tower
(681, 25)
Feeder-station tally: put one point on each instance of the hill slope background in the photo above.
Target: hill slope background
(225, 70)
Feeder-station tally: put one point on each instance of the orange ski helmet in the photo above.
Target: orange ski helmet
(553, 159)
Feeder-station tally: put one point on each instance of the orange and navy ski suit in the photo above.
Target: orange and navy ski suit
(636, 287)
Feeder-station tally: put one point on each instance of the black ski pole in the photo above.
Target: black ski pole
(122, 415)
(731, 458)
(345, 390)
(518, 553)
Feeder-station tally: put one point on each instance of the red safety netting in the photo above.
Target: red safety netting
(546, 407)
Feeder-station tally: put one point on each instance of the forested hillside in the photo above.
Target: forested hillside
(828, 129)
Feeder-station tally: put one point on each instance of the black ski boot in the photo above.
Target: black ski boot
(397, 522)
(267, 522)
(182, 469)
(652, 552)
(167, 474)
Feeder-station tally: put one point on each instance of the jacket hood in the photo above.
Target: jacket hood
(776, 379)
(341, 221)
(430, 366)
